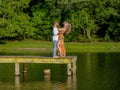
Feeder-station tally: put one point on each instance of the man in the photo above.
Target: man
(55, 38)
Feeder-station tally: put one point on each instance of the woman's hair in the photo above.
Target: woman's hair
(68, 27)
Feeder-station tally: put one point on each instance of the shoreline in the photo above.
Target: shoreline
(34, 45)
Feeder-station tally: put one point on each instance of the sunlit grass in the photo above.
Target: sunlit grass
(94, 47)
(26, 44)
(70, 46)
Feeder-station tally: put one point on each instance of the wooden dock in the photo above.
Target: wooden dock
(70, 61)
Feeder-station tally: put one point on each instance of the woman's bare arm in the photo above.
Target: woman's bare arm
(61, 29)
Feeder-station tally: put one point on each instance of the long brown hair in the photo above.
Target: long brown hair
(68, 27)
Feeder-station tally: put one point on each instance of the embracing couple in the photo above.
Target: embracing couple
(58, 38)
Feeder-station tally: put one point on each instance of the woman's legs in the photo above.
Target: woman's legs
(59, 47)
(63, 51)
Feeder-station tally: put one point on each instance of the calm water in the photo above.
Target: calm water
(95, 71)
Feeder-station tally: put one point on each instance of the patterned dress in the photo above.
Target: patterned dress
(61, 40)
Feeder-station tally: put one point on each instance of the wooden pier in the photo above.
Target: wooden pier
(70, 61)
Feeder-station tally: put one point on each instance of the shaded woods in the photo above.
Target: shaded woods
(92, 20)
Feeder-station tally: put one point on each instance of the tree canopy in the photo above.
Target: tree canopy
(33, 19)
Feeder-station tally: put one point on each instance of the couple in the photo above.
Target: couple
(58, 38)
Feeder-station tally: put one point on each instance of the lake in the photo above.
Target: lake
(95, 71)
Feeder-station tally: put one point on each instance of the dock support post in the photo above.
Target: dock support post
(71, 67)
(24, 72)
(24, 68)
(74, 66)
(69, 72)
(17, 69)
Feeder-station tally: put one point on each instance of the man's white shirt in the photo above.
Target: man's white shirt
(55, 34)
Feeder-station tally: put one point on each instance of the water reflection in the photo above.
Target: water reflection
(99, 71)
(47, 78)
(47, 84)
(17, 82)
(95, 71)
(72, 83)
(88, 61)
(69, 85)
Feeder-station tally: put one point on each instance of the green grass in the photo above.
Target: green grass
(70, 46)
(94, 47)
(25, 44)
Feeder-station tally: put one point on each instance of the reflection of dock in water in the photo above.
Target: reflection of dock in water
(17, 83)
(47, 84)
(70, 84)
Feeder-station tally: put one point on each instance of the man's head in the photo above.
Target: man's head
(56, 24)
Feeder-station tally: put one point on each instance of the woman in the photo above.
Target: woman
(60, 45)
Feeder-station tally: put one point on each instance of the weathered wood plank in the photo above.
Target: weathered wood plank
(34, 59)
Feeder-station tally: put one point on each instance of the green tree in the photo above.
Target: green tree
(105, 12)
(24, 19)
(14, 23)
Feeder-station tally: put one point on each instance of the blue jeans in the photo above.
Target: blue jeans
(54, 48)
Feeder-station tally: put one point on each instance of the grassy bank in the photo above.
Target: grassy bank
(70, 46)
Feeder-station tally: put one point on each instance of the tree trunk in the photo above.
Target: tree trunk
(88, 34)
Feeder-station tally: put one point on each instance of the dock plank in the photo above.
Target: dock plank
(35, 59)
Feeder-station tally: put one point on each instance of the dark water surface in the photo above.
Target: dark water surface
(95, 71)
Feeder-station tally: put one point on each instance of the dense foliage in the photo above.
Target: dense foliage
(91, 20)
